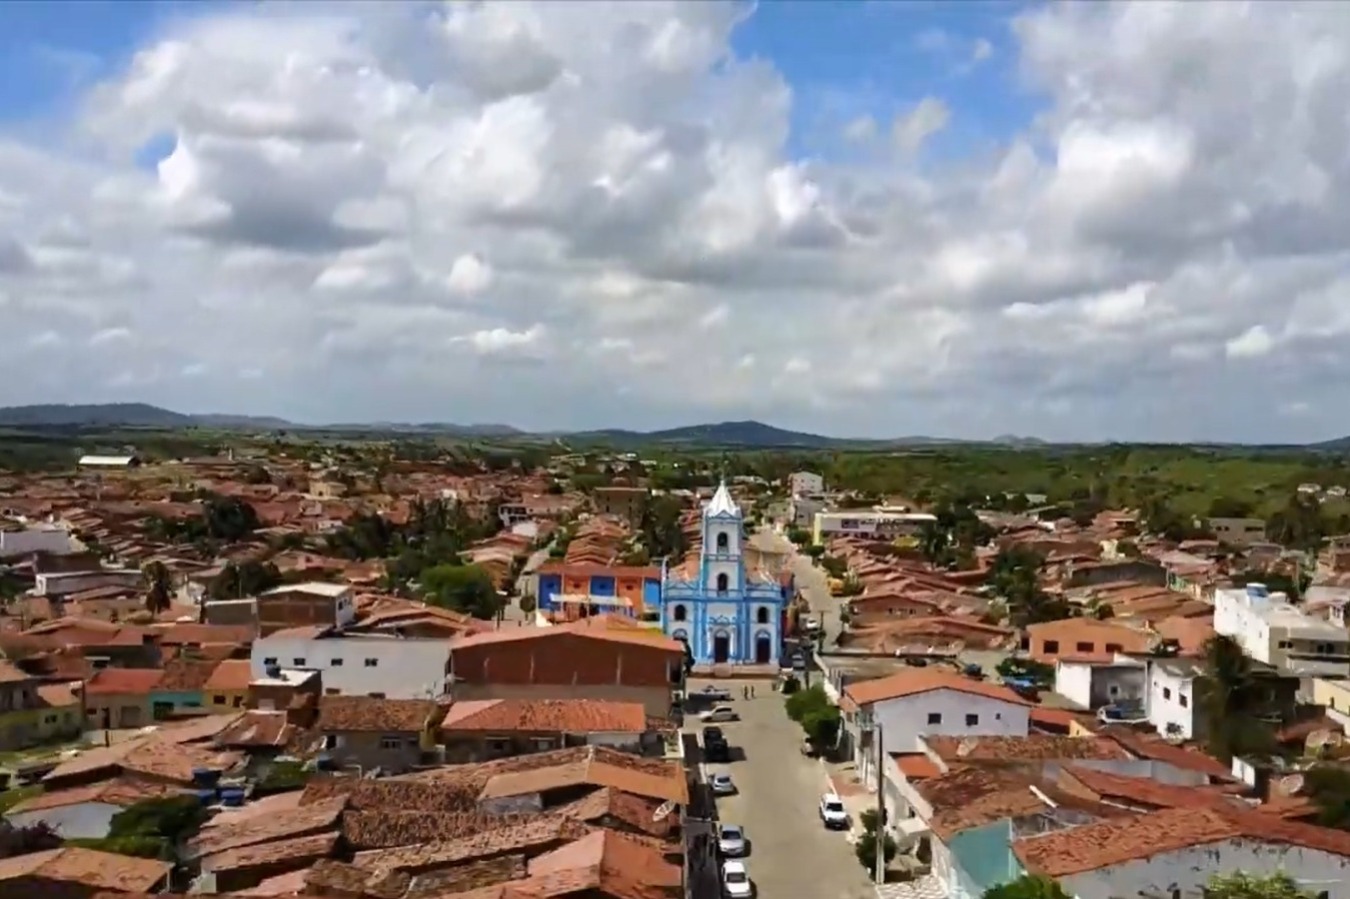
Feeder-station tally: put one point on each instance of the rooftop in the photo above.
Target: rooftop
(924, 680)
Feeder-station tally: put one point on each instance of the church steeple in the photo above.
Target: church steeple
(722, 503)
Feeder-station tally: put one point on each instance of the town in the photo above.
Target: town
(317, 669)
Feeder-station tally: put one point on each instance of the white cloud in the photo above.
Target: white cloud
(345, 179)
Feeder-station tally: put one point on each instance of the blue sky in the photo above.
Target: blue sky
(844, 59)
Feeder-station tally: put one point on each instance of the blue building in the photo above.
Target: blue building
(725, 611)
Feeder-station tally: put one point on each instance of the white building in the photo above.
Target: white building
(1093, 685)
(806, 483)
(384, 665)
(31, 539)
(804, 509)
(913, 704)
(1173, 853)
(1272, 630)
(64, 583)
(1171, 698)
(865, 523)
(108, 462)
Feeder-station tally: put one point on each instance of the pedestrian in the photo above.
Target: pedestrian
(752, 691)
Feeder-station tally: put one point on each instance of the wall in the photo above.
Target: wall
(84, 820)
(63, 584)
(655, 700)
(366, 749)
(128, 710)
(1189, 870)
(1093, 686)
(980, 858)
(905, 720)
(404, 669)
(1165, 696)
(219, 700)
(22, 543)
(175, 699)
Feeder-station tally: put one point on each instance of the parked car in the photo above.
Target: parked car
(832, 812)
(736, 881)
(718, 750)
(731, 840)
(713, 734)
(722, 785)
(720, 713)
(714, 693)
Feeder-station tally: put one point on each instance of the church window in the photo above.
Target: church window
(681, 613)
(722, 583)
(762, 615)
(723, 542)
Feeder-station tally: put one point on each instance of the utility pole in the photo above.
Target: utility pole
(879, 841)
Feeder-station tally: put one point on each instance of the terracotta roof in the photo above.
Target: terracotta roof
(289, 824)
(184, 675)
(669, 787)
(297, 850)
(367, 713)
(1033, 747)
(119, 791)
(595, 628)
(230, 674)
(566, 715)
(975, 796)
(610, 852)
(255, 729)
(1105, 844)
(536, 834)
(12, 674)
(925, 680)
(915, 765)
(89, 867)
(123, 682)
(1160, 750)
(1142, 791)
(153, 755)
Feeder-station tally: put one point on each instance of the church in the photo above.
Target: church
(726, 609)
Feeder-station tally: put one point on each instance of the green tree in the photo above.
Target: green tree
(1028, 886)
(250, 578)
(527, 603)
(1231, 703)
(873, 836)
(158, 587)
(1240, 885)
(1328, 787)
(819, 718)
(464, 588)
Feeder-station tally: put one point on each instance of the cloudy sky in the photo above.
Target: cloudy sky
(1083, 221)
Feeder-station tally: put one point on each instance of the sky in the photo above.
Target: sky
(1080, 221)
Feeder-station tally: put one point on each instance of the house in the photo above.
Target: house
(119, 698)
(628, 503)
(1078, 638)
(910, 704)
(389, 734)
(1239, 532)
(1272, 630)
(1113, 571)
(1091, 685)
(227, 686)
(34, 538)
(1173, 852)
(305, 605)
(86, 812)
(76, 873)
(628, 590)
(604, 658)
(109, 462)
(33, 712)
(805, 483)
(479, 730)
(180, 688)
(382, 664)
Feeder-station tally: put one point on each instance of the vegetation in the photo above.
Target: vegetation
(236, 581)
(1231, 704)
(152, 828)
(1240, 885)
(1028, 886)
(661, 532)
(1328, 786)
(225, 519)
(873, 836)
(158, 587)
(463, 588)
(1014, 576)
(812, 709)
(16, 840)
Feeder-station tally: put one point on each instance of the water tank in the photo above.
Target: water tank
(272, 671)
(325, 763)
(206, 797)
(232, 798)
(205, 778)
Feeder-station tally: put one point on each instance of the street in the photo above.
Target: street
(791, 853)
(811, 581)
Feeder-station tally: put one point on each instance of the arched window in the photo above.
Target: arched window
(681, 613)
(723, 542)
(762, 615)
(722, 583)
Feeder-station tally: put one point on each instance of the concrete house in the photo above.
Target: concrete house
(389, 734)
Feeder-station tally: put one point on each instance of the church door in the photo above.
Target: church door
(763, 649)
(721, 647)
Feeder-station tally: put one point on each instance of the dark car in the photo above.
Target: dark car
(717, 751)
(711, 734)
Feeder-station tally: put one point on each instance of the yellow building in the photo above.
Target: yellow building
(33, 713)
(227, 687)
(1333, 694)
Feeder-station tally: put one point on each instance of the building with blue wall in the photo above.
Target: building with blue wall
(572, 590)
(723, 610)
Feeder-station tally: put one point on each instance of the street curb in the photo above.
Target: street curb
(831, 786)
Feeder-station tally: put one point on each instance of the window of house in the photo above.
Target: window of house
(217, 700)
(270, 661)
(1083, 646)
(1051, 647)
(336, 663)
(388, 742)
(1181, 698)
(934, 717)
(498, 745)
(543, 744)
(972, 720)
(372, 663)
(681, 613)
(330, 741)
(238, 701)
(297, 662)
(376, 695)
(723, 543)
(762, 615)
(1114, 647)
(722, 582)
(51, 719)
(1167, 692)
(331, 691)
(1285, 644)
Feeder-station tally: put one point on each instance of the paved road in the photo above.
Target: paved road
(525, 584)
(812, 582)
(791, 855)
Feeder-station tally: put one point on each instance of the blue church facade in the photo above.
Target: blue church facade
(724, 612)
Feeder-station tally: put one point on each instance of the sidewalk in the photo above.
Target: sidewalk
(840, 779)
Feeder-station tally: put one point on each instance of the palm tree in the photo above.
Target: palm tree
(1231, 702)
(158, 587)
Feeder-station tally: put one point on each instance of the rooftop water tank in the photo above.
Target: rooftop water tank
(232, 798)
(205, 777)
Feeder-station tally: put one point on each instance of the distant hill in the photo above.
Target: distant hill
(140, 415)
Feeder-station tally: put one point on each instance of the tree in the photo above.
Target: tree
(1329, 789)
(1231, 703)
(527, 603)
(158, 587)
(1241, 885)
(1028, 886)
(244, 579)
(873, 835)
(16, 840)
(812, 709)
(464, 588)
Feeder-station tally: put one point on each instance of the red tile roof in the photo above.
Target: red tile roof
(912, 683)
(123, 682)
(566, 715)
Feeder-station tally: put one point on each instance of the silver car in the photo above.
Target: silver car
(731, 840)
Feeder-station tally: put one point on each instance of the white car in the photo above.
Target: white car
(731, 840)
(720, 713)
(811, 625)
(735, 881)
(722, 785)
(832, 812)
